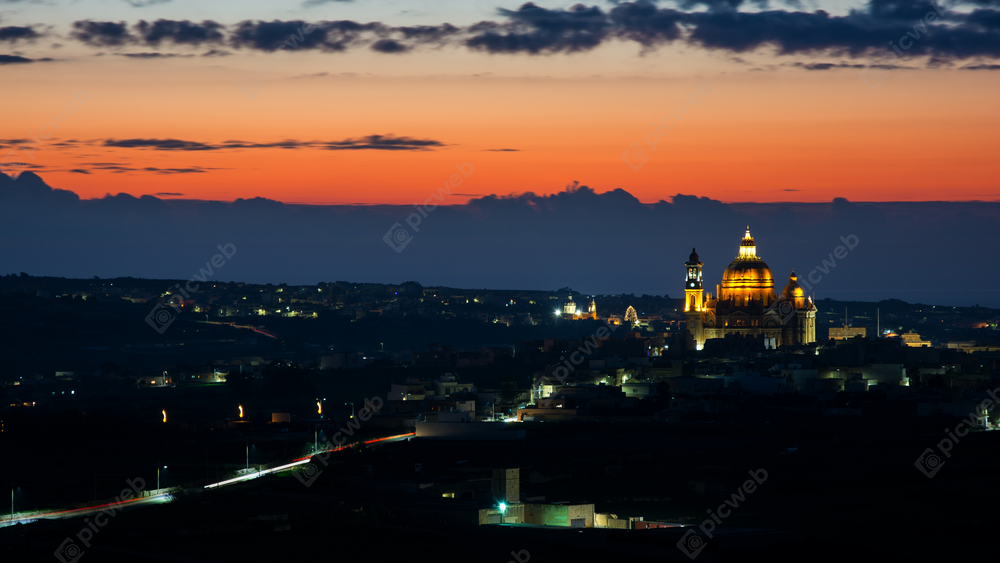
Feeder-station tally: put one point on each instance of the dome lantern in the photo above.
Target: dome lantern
(748, 249)
(747, 277)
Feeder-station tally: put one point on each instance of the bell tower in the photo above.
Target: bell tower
(693, 291)
(694, 296)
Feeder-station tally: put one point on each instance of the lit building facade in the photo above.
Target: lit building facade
(746, 303)
(571, 312)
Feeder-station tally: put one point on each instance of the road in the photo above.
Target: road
(166, 497)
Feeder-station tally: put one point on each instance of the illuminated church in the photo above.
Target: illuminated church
(745, 303)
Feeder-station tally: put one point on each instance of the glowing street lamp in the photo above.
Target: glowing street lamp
(241, 411)
(164, 415)
(503, 511)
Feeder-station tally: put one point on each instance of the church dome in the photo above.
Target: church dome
(793, 291)
(747, 277)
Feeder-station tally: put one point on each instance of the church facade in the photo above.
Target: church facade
(746, 303)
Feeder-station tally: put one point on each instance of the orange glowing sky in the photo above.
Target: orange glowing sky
(765, 131)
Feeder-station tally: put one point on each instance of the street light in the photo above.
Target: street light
(352, 408)
(12, 502)
(241, 411)
(164, 415)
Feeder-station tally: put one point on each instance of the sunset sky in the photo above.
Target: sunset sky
(737, 101)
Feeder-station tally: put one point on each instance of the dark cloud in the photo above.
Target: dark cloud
(325, 36)
(286, 144)
(15, 59)
(917, 27)
(180, 32)
(118, 168)
(194, 170)
(905, 11)
(646, 24)
(427, 33)
(13, 34)
(153, 55)
(790, 32)
(371, 142)
(216, 53)
(980, 67)
(114, 168)
(501, 150)
(384, 143)
(533, 29)
(169, 194)
(159, 144)
(177, 32)
(102, 34)
(986, 19)
(406, 38)
(826, 66)
(389, 46)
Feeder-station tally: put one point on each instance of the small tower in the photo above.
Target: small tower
(592, 309)
(693, 291)
(694, 296)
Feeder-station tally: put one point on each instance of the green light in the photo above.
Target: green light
(503, 507)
